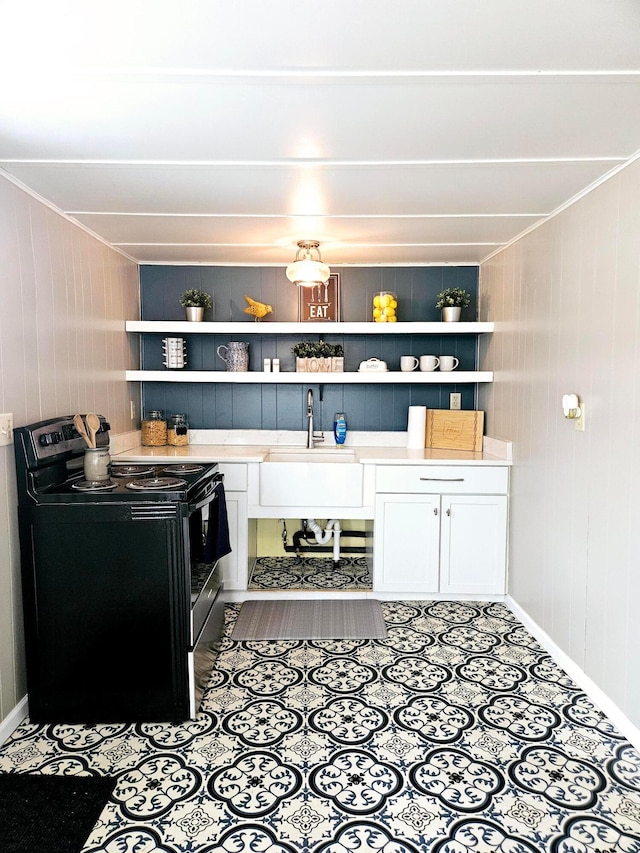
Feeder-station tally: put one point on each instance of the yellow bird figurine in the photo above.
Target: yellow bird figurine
(257, 309)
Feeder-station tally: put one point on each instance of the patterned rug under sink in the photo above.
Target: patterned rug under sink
(310, 573)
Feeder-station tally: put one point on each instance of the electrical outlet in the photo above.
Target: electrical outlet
(6, 429)
(455, 401)
(132, 410)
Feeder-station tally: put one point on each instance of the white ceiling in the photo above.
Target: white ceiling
(414, 131)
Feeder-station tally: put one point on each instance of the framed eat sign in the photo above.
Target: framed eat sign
(321, 302)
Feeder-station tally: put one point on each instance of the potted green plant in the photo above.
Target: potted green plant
(452, 300)
(195, 301)
(318, 357)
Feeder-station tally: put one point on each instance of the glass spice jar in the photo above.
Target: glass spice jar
(154, 429)
(177, 430)
(385, 304)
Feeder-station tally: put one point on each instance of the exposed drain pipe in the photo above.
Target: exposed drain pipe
(333, 527)
(301, 537)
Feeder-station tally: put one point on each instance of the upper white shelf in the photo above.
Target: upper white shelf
(417, 377)
(267, 328)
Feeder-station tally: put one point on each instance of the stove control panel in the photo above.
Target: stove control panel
(59, 436)
(47, 438)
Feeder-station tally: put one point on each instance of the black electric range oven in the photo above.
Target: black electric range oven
(123, 600)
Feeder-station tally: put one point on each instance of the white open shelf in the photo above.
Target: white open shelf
(392, 377)
(242, 329)
(252, 328)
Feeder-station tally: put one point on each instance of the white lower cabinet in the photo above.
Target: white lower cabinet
(234, 566)
(406, 543)
(426, 541)
(473, 544)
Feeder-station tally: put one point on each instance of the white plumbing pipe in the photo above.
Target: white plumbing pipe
(315, 528)
(333, 526)
(336, 541)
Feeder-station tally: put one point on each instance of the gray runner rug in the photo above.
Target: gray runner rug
(360, 619)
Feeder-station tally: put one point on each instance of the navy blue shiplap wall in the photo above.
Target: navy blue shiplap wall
(368, 407)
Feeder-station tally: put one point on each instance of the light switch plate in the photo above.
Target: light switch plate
(6, 429)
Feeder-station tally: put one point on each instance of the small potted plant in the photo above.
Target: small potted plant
(318, 357)
(452, 300)
(194, 301)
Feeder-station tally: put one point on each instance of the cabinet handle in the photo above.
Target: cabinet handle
(449, 511)
(435, 512)
(444, 479)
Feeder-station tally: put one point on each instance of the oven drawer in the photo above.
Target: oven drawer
(205, 649)
(202, 605)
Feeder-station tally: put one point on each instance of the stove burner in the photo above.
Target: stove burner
(154, 483)
(93, 486)
(184, 468)
(130, 470)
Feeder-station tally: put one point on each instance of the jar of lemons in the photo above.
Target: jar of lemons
(385, 304)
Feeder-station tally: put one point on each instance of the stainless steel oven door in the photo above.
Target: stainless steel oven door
(207, 597)
(208, 640)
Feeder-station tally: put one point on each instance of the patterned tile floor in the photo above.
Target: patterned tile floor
(309, 573)
(455, 734)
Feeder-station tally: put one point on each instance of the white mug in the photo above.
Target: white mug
(429, 362)
(408, 362)
(173, 344)
(448, 362)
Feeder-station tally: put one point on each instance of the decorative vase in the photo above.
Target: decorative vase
(195, 314)
(451, 313)
(235, 355)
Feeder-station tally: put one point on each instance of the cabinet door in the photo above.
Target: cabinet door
(234, 565)
(473, 544)
(406, 543)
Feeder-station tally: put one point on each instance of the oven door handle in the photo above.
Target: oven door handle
(209, 495)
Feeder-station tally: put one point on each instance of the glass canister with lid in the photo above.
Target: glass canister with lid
(385, 304)
(177, 430)
(154, 429)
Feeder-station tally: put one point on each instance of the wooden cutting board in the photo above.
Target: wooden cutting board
(449, 430)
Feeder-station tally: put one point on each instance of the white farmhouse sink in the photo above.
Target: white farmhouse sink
(298, 477)
(304, 454)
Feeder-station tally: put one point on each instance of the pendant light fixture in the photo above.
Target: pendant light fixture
(308, 269)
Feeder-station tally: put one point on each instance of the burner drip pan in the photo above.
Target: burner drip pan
(154, 483)
(130, 470)
(183, 468)
(93, 486)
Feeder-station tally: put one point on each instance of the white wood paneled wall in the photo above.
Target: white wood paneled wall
(566, 303)
(64, 297)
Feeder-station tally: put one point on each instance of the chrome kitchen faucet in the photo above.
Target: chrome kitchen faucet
(313, 437)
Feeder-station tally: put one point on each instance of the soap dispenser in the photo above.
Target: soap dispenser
(340, 428)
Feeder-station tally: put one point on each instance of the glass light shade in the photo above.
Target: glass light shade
(308, 270)
(308, 273)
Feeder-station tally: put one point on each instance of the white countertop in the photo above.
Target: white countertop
(256, 453)
(373, 448)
